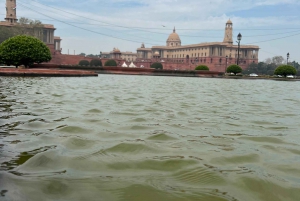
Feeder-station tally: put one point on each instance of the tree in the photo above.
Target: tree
(82, 54)
(278, 60)
(84, 63)
(92, 56)
(111, 62)
(96, 62)
(202, 67)
(234, 69)
(294, 64)
(285, 70)
(156, 65)
(24, 50)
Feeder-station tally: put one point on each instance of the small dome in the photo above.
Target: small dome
(174, 37)
(156, 53)
(116, 50)
(229, 22)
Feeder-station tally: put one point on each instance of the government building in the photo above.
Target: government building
(213, 54)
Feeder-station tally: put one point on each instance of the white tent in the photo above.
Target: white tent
(132, 65)
(124, 64)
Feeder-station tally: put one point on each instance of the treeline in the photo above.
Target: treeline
(268, 66)
(89, 55)
(24, 26)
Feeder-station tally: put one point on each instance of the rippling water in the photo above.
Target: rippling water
(149, 138)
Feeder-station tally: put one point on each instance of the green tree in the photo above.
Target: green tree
(24, 50)
(84, 63)
(156, 65)
(202, 67)
(234, 69)
(111, 62)
(285, 70)
(96, 62)
(82, 54)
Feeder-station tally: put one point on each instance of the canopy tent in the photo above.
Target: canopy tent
(124, 64)
(132, 65)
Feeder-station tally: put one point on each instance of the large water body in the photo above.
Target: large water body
(141, 138)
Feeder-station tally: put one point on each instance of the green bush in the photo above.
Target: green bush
(234, 69)
(84, 63)
(156, 65)
(96, 62)
(285, 70)
(202, 67)
(24, 50)
(111, 62)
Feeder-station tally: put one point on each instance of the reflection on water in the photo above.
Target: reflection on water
(149, 138)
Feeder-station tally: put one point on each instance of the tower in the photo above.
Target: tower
(228, 33)
(11, 13)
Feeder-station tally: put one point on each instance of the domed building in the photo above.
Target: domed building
(215, 55)
(174, 39)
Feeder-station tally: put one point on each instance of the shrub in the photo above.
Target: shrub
(96, 62)
(111, 62)
(157, 65)
(202, 67)
(24, 50)
(84, 63)
(234, 69)
(285, 70)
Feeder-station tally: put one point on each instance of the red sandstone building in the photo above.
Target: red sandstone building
(187, 57)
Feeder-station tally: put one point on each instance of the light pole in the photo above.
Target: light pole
(239, 38)
(226, 64)
(287, 56)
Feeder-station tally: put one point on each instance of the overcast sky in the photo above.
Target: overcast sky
(92, 26)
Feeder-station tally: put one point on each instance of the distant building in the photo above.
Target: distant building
(127, 56)
(212, 54)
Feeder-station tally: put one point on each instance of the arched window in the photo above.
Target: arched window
(220, 60)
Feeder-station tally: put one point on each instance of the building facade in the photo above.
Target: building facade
(216, 55)
(127, 56)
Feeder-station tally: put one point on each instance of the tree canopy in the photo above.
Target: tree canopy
(234, 69)
(268, 66)
(285, 70)
(24, 50)
(156, 65)
(84, 63)
(111, 62)
(202, 67)
(96, 62)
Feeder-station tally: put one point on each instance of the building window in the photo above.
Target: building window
(220, 61)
